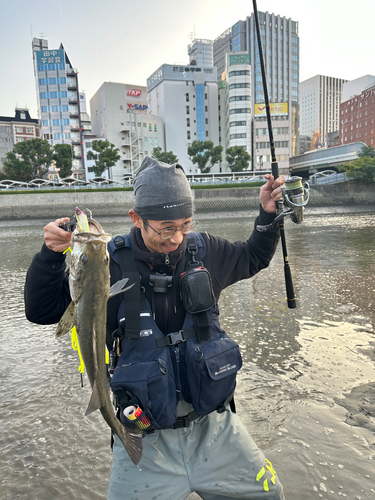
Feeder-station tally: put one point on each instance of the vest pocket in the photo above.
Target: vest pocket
(152, 383)
(212, 370)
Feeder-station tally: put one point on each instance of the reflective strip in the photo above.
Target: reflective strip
(265, 485)
(145, 314)
(261, 473)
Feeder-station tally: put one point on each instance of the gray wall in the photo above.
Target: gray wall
(53, 205)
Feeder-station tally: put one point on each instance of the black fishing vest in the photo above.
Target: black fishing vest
(155, 371)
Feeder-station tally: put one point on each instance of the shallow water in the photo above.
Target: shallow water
(306, 391)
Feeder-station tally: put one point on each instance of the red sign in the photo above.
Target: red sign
(134, 92)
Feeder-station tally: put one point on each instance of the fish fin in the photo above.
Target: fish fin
(94, 403)
(66, 322)
(133, 445)
(118, 287)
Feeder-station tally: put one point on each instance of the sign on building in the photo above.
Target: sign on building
(277, 108)
(50, 56)
(239, 59)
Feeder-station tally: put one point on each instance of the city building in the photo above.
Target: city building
(235, 123)
(119, 114)
(355, 87)
(357, 118)
(320, 99)
(59, 108)
(280, 43)
(186, 98)
(14, 129)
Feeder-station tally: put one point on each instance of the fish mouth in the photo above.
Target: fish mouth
(91, 237)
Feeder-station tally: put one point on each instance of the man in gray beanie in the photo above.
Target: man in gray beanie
(175, 365)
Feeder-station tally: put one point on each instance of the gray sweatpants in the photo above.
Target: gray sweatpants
(215, 456)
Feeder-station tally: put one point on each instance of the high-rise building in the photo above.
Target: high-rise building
(280, 43)
(14, 129)
(119, 114)
(320, 99)
(58, 101)
(235, 122)
(355, 87)
(186, 98)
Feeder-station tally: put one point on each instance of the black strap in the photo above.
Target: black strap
(176, 337)
(132, 303)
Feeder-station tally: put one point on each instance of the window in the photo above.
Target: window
(188, 134)
(19, 130)
(188, 110)
(187, 97)
(188, 122)
(121, 108)
(155, 127)
(29, 130)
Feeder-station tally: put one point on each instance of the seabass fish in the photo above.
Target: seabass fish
(89, 284)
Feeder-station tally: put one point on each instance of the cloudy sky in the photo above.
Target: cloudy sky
(126, 41)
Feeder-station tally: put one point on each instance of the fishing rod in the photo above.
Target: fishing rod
(295, 195)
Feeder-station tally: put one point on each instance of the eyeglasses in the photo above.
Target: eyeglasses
(168, 232)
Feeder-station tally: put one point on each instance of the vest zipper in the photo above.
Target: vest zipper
(178, 377)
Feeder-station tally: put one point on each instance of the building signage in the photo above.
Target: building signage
(139, 107)
(277, 108)
(50, 56)
(134, 92)
(239, 59)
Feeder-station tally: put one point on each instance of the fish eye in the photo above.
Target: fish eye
(106, 259)
(84, 258)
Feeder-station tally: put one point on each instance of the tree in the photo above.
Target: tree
(200, 152)
(107, 157)
(63, 159)
(367, 151)
(166, 157)
(238, 158)
(28, 160)
(361, 170)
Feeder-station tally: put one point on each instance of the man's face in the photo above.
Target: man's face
(154, 241)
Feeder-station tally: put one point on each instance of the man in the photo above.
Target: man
(176, 363)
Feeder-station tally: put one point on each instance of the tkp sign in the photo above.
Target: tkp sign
(134, 92)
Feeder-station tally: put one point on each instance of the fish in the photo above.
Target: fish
(89, 285)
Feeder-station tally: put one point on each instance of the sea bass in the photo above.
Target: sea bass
(89, 284)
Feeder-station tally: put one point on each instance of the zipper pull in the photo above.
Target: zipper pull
(167, 259)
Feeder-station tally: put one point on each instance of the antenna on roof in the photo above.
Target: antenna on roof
(193, 35)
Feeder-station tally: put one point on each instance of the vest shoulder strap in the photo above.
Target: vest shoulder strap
(121, 251)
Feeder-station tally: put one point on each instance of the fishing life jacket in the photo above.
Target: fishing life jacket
(154, 370)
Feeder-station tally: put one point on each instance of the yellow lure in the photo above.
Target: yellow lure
(75, 345)
(82, 221)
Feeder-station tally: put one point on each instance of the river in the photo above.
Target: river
(306, 391)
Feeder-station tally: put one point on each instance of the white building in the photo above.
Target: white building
(320, 99)
(235, 117)
(357, 86)
(119, 114)
(58, 100)
(186, 98)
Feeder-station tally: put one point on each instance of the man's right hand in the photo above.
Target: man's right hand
(56, 238)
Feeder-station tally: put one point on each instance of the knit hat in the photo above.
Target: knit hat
(162, 191)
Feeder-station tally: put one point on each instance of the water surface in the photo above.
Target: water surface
(306, 391)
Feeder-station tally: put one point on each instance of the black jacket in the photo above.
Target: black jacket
(47, 287)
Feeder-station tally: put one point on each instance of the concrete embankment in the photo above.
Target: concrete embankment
(104, 202)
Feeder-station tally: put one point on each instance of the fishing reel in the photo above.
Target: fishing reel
(295, 198)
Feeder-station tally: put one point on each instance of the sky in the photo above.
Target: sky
(125, 41)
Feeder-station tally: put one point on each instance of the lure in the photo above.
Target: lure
(82, 221)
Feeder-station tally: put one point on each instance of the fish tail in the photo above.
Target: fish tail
(133, 444)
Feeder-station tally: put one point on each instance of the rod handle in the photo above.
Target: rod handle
(289, 287)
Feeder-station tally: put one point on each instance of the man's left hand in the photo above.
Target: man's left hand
(271, 192)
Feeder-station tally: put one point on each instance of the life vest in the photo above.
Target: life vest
(155, 370)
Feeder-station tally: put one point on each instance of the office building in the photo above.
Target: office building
(280, 43)
(186, 98)
(357, 118)
(119, 115)
(235, 121)
(355, 87)
(14, 129)
(320, 99)
(59, 108)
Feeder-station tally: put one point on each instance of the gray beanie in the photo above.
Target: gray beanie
(162, 191)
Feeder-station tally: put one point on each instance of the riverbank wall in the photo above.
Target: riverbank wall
(104, 202)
